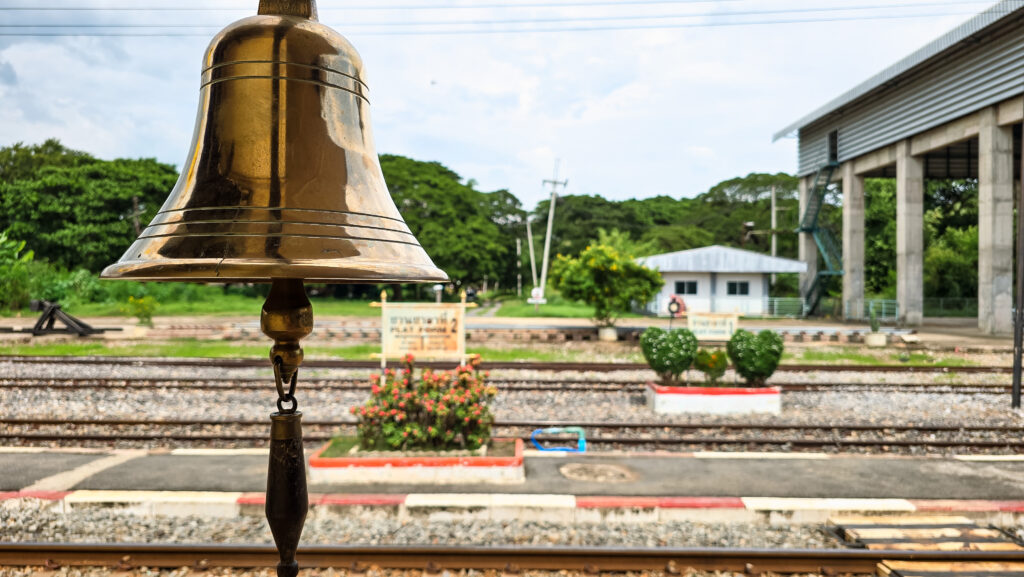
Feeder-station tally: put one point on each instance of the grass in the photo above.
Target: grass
(854, 356)
(340, 447)
(215, 349)
(556, 308)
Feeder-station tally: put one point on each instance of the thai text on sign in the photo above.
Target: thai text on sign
(713, 326)
(425, 330)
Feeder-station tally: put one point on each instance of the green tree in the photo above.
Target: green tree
(606, 280)
(14, 272)
(622, 242)
(450, 219)
(21, 162)
(677, 237)
(83, 215)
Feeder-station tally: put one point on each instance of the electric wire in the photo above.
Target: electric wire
(625, 27)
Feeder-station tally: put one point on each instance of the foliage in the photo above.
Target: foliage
(951, 238)
(606, 280)
(432, 411)
(82, 214)
(14, 272)
(755, 357)
(21, 162)
(469, 234)
(874, 319)
(712, 363)
(141, 308)
(623, 243)
(668, 353)
(713, 217)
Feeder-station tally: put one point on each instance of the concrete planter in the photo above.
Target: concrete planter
(713, 400)
(875, 339)
(608, 334)
(417, 470)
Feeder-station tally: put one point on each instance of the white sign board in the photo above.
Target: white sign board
(713, 326)
(425, 330)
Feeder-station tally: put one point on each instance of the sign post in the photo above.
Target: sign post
(425, 330)
(713, 326)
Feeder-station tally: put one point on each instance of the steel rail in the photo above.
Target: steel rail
(527, 385)
(487, 365)
(534, 425)
(591, 560)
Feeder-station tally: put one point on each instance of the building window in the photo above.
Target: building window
(686, 287)
(833, 146)
(738, 288)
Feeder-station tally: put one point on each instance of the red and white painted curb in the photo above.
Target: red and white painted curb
(525, 506)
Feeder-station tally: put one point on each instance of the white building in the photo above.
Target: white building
(720, 279)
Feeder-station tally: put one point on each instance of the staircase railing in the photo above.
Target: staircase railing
(831, 253)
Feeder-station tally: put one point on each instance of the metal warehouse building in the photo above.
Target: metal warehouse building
(953, 109)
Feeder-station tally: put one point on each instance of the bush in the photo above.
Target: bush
(712, 364)
(668, 353)
(606, 280)
(140, 308)
(435, 411)
(15, 279)
(755, 357)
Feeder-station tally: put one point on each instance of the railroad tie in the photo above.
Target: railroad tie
(928, 533)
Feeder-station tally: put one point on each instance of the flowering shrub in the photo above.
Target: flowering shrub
(755, 356)
(668, 353)
(142, 308)
(430, 411)
(712, 364)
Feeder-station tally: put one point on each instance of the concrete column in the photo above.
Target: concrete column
(909, 234)
(853, 243)
(806, 249)
(995, 225)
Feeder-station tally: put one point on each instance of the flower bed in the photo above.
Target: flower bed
(714, 400)
(406, 468)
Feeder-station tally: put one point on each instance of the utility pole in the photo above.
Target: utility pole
(555, 183)
(774, 226)
(519, 267)
(135, 215)
(529, 242)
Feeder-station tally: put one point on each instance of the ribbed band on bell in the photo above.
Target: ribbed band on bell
(302, 8)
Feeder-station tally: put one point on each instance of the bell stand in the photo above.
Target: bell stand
(287, 317)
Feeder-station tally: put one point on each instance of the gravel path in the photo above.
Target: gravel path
(32, 520)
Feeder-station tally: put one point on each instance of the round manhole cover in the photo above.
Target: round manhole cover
(597, 473)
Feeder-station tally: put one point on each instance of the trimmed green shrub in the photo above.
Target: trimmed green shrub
(668, 353)
(755, 356)
(712, 364)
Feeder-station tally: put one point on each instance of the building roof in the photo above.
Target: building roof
(721, 259)
(1005, 10)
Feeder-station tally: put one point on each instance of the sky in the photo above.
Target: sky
(630, 99)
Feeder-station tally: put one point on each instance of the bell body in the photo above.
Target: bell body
(282, 180)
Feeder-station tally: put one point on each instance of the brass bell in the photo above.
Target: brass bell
(282, 179)
(282, 184)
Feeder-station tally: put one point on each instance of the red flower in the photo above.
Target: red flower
(466, 419)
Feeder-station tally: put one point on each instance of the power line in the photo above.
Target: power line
(358, 7)
(625, 27)
(630, 17)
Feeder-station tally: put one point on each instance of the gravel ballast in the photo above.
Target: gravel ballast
(30, 520)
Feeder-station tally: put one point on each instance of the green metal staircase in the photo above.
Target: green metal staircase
(830, 251)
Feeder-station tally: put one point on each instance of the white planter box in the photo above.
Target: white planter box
(417, 470)
(713, 400)
(875, 339)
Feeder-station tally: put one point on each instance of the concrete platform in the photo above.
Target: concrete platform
(778, 487)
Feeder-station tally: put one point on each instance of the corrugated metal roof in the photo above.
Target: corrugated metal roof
(975, 25)
(721, 259)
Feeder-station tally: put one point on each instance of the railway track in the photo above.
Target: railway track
(526, 385)
(600, 434)
(508, 559)
(546, 366)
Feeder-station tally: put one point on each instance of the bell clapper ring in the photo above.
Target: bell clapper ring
(282, 396)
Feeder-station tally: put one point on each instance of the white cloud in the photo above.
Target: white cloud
(631, 113)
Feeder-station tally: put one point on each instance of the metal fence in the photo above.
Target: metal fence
(886, 310)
